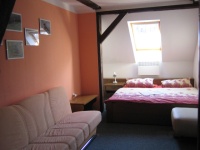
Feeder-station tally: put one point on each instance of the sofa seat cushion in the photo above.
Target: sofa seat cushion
(76, 134)
(67, 140)
(72, 130)
(83, 126)
(48, 146)
(91, 118)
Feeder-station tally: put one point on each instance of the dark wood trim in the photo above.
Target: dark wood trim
(112, 26)
(90, 4)
(6, 7)
(98, 22)
(148, 9)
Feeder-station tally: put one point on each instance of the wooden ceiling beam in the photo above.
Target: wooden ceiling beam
(90, 4)
(112, 26)
(6, 7)
(148, 9)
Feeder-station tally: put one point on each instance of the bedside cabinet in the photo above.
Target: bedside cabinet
(83, 102)
(111, 88)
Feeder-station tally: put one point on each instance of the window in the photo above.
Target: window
(146, 40)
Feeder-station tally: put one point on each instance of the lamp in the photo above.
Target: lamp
(115, 76)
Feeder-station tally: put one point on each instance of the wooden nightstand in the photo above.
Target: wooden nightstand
(84, 102)
(111, 88)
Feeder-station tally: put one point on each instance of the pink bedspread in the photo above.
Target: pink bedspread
(156, 95)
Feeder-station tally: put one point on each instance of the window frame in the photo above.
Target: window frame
(147, 51)
(136, 36)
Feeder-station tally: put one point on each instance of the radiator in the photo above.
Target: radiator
(148, 68)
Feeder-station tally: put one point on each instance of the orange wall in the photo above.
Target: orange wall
(88, 54)
(53, 63)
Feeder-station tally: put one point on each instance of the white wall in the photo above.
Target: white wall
(196, 67)
(179, 30)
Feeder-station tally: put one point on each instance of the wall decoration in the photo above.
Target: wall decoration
(15, 23)
(45, 27)
(31, 37)
(15, 49)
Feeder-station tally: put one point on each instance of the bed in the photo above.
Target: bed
(150, 101)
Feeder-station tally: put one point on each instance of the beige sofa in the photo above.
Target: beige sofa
(45, 122)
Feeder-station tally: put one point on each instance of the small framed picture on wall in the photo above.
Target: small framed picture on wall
(31, 37)
(15, 23)
(45, 27)
(15, 49)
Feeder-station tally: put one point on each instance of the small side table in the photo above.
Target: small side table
(111, 88)
(83, 102)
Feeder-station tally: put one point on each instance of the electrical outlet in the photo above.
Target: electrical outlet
(74, 95)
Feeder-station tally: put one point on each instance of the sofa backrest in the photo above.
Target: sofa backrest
(13, 133)
(60, 105)
(29, 122)
(39, 108)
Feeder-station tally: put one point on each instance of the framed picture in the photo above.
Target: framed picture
(15, 23)
(45, 27)
(31, 37)
(15, 49)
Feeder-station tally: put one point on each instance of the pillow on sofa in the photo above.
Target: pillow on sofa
(176, 83)
(140, 83)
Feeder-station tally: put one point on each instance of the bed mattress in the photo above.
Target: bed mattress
(156, 95)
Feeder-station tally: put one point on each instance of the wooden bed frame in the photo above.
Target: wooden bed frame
(142, 113)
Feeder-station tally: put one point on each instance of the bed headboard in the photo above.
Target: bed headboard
(155, 81)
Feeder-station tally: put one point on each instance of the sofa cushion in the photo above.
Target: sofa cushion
(48, 146)
(91, 118)
(60, 105)
(28, 121)
(40, 110)
(75, 133)
(13, 131)
(72, 134)
(83, 126)
(70, 141)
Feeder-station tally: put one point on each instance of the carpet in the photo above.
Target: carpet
(120, 136)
